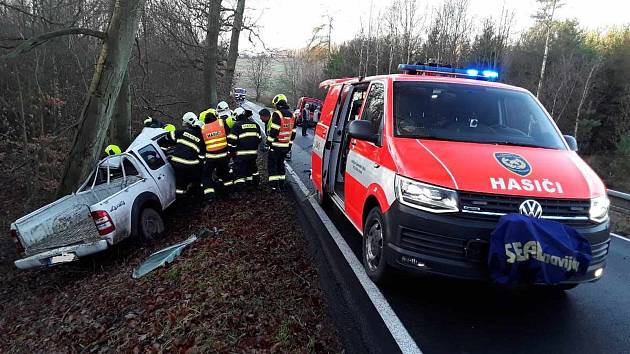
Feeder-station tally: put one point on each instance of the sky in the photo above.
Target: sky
(288, 24)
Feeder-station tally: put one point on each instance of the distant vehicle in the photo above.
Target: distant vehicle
(300, 107)
(424, 164)
(239, 94)
(124, 196)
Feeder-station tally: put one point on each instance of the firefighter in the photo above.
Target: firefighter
(225, 113)
(112, 149)
(214, 132)
(265, 118)
(188, 153)
(243, 141)
(305, 119)
(279, 139)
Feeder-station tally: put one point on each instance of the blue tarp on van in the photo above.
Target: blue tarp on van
(525, 250)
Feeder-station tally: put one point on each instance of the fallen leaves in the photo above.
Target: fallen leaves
(252, 289)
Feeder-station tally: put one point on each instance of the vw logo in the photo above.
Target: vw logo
(531, 208)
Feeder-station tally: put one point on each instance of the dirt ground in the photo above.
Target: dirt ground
(251, 289)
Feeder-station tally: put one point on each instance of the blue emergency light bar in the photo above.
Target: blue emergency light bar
(489, 75)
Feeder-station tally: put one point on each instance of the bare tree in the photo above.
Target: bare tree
(587, 86)
(259, 73)
(233, 51)
(545, 16)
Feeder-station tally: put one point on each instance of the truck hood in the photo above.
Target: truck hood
(498, 169)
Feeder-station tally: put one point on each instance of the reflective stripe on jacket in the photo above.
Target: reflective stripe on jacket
(282, 129)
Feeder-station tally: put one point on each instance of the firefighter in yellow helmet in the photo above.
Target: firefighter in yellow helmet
(112, 149)
(279, 139)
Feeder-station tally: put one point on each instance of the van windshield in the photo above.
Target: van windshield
(471, 113)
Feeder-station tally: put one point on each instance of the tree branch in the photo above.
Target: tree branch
(22, 11)
(34, 42)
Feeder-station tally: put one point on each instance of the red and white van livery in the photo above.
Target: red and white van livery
(424, 164)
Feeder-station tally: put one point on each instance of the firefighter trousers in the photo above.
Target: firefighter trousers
(211, 185)
(185, 176)
(275, 166)
(245, 172)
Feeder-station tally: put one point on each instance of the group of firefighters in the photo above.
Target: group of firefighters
(200, 152)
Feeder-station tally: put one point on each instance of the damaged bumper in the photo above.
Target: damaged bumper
(61, 255)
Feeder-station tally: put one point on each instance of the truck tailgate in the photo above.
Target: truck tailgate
(62, 223)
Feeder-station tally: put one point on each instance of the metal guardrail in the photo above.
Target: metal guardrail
(620, 201)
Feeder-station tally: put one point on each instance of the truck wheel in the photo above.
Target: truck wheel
(149, 224)
(374, 241)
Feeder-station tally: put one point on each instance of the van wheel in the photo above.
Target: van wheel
(149, 224)
(374, 243)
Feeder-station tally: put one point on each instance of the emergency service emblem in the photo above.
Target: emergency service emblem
(514, 163)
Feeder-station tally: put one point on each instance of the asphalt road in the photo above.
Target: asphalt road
(453, 316)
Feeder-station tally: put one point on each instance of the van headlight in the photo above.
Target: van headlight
(599, 209)
(425, 196)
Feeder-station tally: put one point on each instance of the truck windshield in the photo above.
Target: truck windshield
(471, 113)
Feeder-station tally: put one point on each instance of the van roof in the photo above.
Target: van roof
(423, 78)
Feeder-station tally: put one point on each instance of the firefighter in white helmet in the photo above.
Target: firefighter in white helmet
(188, 154)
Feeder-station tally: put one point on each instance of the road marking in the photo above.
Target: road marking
(621, 237)
(393, 323)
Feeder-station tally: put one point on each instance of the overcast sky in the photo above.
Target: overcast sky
(289, 23)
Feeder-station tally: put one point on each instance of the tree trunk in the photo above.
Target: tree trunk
(100, 103)
(587, 85)
(212, 53)
(233, 51)
(120, 126)
(546, 53)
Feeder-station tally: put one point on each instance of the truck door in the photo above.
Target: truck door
(364, 158)
(161, 172)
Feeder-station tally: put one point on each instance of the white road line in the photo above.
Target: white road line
(393, 323)
(621, 237)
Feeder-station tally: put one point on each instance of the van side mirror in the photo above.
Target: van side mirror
(363, 130)
(571, 142)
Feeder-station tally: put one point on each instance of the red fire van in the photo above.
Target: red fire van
(424, 163)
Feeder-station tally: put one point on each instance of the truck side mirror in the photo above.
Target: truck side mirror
(362, 130)
(571, 142)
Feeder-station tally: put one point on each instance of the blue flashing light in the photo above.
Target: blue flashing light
(472, 72)
(490, 74)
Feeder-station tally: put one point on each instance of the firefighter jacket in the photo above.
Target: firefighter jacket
(281, 129)
(189, 146)
(215, 134)
(244, 137)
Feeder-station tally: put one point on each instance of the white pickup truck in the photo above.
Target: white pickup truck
(124, 196)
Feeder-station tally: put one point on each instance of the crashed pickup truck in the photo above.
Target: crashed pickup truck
(123, 196)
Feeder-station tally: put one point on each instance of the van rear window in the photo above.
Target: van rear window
(471, 113)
